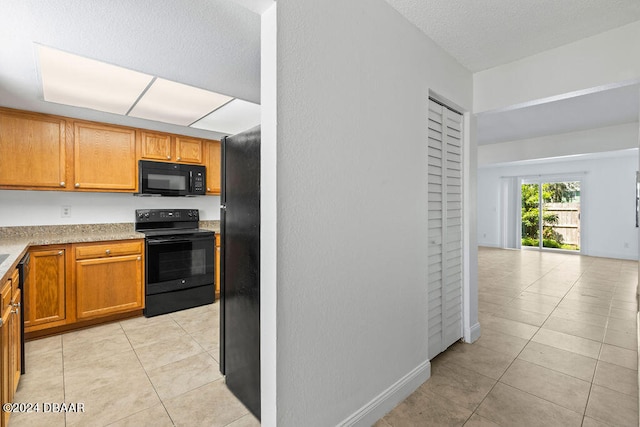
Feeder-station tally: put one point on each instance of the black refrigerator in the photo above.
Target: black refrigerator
(240, 267)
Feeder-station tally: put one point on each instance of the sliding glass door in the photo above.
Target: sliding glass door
(551, 210)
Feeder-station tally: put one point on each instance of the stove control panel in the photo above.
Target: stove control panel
(167, 215)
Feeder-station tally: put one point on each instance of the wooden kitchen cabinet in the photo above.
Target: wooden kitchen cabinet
(6, 394)
(104, 158)
(33, 150)
(44, 152)
(188, 150)
(10, 342)
(217, 266)
(109, 278)
(15, 340)
(45, 289)
(212, 162)
(155, 146)
(170, 148)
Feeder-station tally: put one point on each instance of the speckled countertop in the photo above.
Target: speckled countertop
(15, 241)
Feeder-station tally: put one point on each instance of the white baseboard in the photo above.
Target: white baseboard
(472, 334)
(388, 399)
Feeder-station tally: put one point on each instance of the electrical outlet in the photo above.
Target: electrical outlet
(65, 212)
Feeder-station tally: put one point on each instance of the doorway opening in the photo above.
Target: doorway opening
(550, 216)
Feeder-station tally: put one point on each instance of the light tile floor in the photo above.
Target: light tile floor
(161, 371)
(558, 348)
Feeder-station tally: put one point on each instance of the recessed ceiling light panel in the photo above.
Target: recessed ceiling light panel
(82, 82)
(176, 103)
(234, 117)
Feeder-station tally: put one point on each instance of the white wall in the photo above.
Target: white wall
(607, 199)
(353, 82)
(44, 207)
(610, 138)
(602, 61)
(269, 219)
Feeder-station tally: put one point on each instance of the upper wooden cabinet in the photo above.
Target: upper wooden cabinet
(170, 148)
(32, 151)
(105, 157)
(188, 150)
(212, 162)
(44, 152)
(155, 146)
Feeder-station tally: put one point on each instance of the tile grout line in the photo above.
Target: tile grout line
(149, 378)
(529, 341)
(516, 357)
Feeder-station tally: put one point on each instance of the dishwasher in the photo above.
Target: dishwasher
(23, 269)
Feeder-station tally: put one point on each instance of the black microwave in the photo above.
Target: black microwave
(170, 179)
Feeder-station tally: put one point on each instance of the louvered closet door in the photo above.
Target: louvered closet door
(445, 228)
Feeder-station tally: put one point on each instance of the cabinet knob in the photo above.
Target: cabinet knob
(61, 183)
(77, 184)
(60, 252)
(168, 157)
(16, 305)
(179, 158)
(139, 258)
(208, 189)
(108, 251)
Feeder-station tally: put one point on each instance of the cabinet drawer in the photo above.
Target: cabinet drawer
(108, 249)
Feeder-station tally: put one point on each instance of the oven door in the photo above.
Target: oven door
(179, 262)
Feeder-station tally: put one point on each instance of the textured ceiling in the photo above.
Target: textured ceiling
(482, 34)
(215, 45)
(209, 44)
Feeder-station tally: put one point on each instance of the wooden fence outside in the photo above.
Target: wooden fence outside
(568, 221)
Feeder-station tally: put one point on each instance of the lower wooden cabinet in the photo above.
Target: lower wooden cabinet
(45, 291)
(109, 279)
(5, 355)
(15, 362)
(10, 342)
(69, 285)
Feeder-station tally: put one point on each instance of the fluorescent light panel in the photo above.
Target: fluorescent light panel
(234, 117)
(176, 103)
(82, 82)
(74, 80)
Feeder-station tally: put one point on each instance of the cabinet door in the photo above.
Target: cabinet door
(188, 150)
(105, 157)
(108, 285)
(5, 354)
(44, 292)
(14, 343)
(212, 163)
(32, 151)
(155, 146)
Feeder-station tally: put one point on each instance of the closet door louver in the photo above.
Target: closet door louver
(445, 227)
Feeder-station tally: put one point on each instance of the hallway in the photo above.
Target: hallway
(558, 348)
